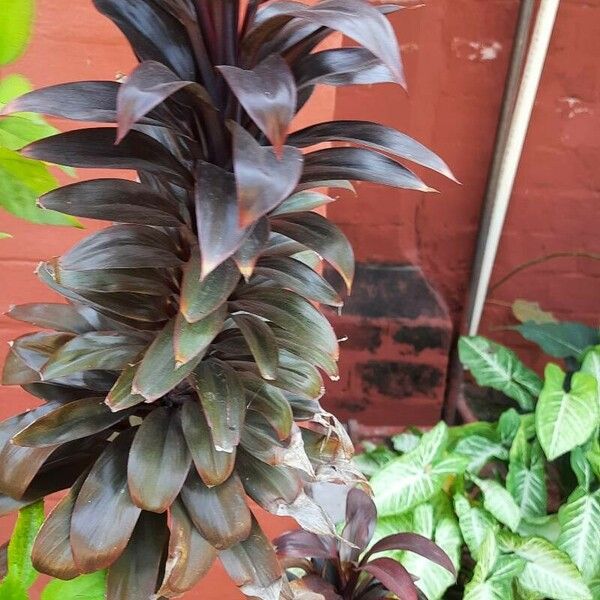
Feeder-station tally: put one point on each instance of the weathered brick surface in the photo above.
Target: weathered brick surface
(396, 330)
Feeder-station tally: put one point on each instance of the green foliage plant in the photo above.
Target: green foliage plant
(514, 503)
(182, 377)
(21, 574)
(22, 180)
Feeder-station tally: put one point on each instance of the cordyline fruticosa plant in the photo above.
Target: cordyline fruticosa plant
(183, 374)
(344, 569)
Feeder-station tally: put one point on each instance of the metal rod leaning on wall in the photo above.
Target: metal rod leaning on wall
(498, 196)
(511, 89)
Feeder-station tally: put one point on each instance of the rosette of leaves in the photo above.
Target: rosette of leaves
(184, 374)
(514, 503)
(352, 567)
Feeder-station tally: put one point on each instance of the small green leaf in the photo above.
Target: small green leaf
(580, 530)
(475, 523)
(15, 28)
(28, 524)
(480, 451)
(85, 587)
(525, 311)
(561, 340)
(10, 589)
(549, 571)
(22, 182)
(498, 367)
(591, 365)
(498, 501)
(563, 419)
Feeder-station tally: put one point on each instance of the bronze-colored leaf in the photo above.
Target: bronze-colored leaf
(223, 400)
(192, 339)
(104, 515)
(159, 461)
(220, 513)
(213, 466)
(190, 555)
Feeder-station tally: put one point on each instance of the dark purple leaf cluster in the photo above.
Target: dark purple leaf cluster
(183, 375)
(348, 568)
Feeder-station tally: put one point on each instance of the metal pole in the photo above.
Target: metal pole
(500, 195)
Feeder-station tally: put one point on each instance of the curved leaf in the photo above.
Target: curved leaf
(214, 466)
(61, 317)
(325, 238)
(371, 135)
(268, 94)
(158, 461)
(223, 401)
(116, 200)
(263, 179)
(72, 421)
(563, 419)
(393, 576)
(104, 516)
(262, 343)
(95, 148)
(220, 513)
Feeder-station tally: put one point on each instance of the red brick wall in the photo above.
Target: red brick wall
(456, 54)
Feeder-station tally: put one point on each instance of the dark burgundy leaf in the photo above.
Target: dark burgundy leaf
(159, 461)
(61, 317)
(393, 576)
(253, 565)
(296, 276)
(358, 20)
(268, 94)
(51, 553)
(361, 517)
(413, 542)
(150, 84)
(220, 513)
(190, 555)
(325, 238)
(95, 148)
(304, 544)
(341, 66)
(290, 312)
(137, 572)
(104, 515)
(270, 402)
(191, 339)
(16, 372)
(223, 400)
(302, 201)
(213, 466)
(250, 250)
(73, 421)
(21, 465)
(199, 298)
(263, 179)
(152, 32)
(116, 200)
(359, 164)
(262, 343)
(93, 350)
(371, 135)
(218, 216)
(94, 101)
(158, 372)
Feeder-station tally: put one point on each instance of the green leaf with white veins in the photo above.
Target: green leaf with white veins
(417, 476)
(480, 451)
(549, 571)
(498, 501)
(565, 420)
(580, 531)
(591, 365)
(497, 367)
(526, 478)
(475, 523)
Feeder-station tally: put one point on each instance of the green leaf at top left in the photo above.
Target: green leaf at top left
(15, 28)
(22, 182)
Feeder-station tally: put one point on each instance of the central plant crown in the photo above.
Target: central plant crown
(184, 373)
